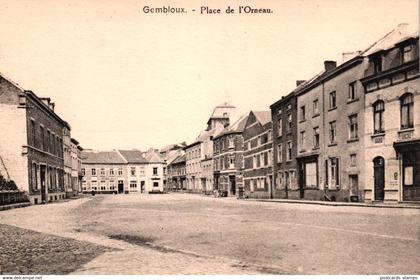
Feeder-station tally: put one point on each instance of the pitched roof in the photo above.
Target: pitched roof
(153, 157)
(179, 159)
(263, 117)
(133, 156)
(237, 127)
(102, 157)
(388, 41)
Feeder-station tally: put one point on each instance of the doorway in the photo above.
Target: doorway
(379, 178)
(232, 185)
(120, 186)
(42, 176)
(142, 189)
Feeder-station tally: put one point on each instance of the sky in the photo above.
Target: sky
(125, 79)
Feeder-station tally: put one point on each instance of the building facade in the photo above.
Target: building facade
(285, 168)
(228, 159)
(33, 157)
(75, 167)
(104, 172)
(136, 170)
(392, 113)
(258, 155)
(67, 154)
(177, 174)
(193, 167)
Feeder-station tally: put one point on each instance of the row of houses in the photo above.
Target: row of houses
(349, 133)
(123, 171)
(37, 152)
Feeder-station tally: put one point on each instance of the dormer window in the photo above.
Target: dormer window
(377, 63)
(407, 54)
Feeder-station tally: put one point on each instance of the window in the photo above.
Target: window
(332, 175)
(333, 100)
(316, 137)
(102, 171)
(231, 143)
(378, 111)
(111, 172)
(111, 185)
(270, 157)
(265, 156)
(93, 172)
(407, 54)
(34, 176)
(279, 112)
(316, 107)
(353, 159)
(279, 153)
(133, 185)
(289, 150)
(94, 185)
(84, 185)
(270, 134)
(289, 122)
(310, 170)
(352, 91)
(83, 172)
(264, 138)
(353, 127)
(120, 172)
(302, 113)
(302, 138)
(133, 171)
(103, 185)
(279, 128)
(48, 146)
(155, 171)
(333, 132)
(231, 161)
(258, 161)
(155, 184)
(41, 129)
(407, 111)
(33, 131)
(377, 63)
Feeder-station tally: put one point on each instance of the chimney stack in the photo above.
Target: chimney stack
(330, 65)
(299, 82)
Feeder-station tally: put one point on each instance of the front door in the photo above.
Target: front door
(142, 190)
(301, 179)
(43, 183)
(120, 186)
(232, 185)
(379, 177)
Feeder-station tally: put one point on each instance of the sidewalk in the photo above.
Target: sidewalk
(336, 203)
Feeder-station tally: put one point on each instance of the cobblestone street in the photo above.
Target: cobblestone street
(192, 234)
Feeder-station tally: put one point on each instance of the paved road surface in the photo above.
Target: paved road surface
(191, 234)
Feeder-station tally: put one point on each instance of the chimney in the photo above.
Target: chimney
(349, 55)
(299, 82)
(330, 65)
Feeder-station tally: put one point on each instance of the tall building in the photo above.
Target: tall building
(228, 158)
(33, 156)
(199, 154)
(392, 114)
(75, 167)
(284, 117)
(258, 155)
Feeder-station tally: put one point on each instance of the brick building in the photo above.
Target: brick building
(33, 157)
(392, 114)
(228, 158)
(258, 155)
(284, 117)
(75, 167)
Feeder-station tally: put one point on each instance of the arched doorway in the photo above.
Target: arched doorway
(379, 177)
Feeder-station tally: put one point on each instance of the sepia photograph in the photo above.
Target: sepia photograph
(239, 138)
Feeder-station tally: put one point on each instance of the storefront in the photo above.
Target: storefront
(409, 155)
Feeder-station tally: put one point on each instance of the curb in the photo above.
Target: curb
(16, 205)
(398, 206)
